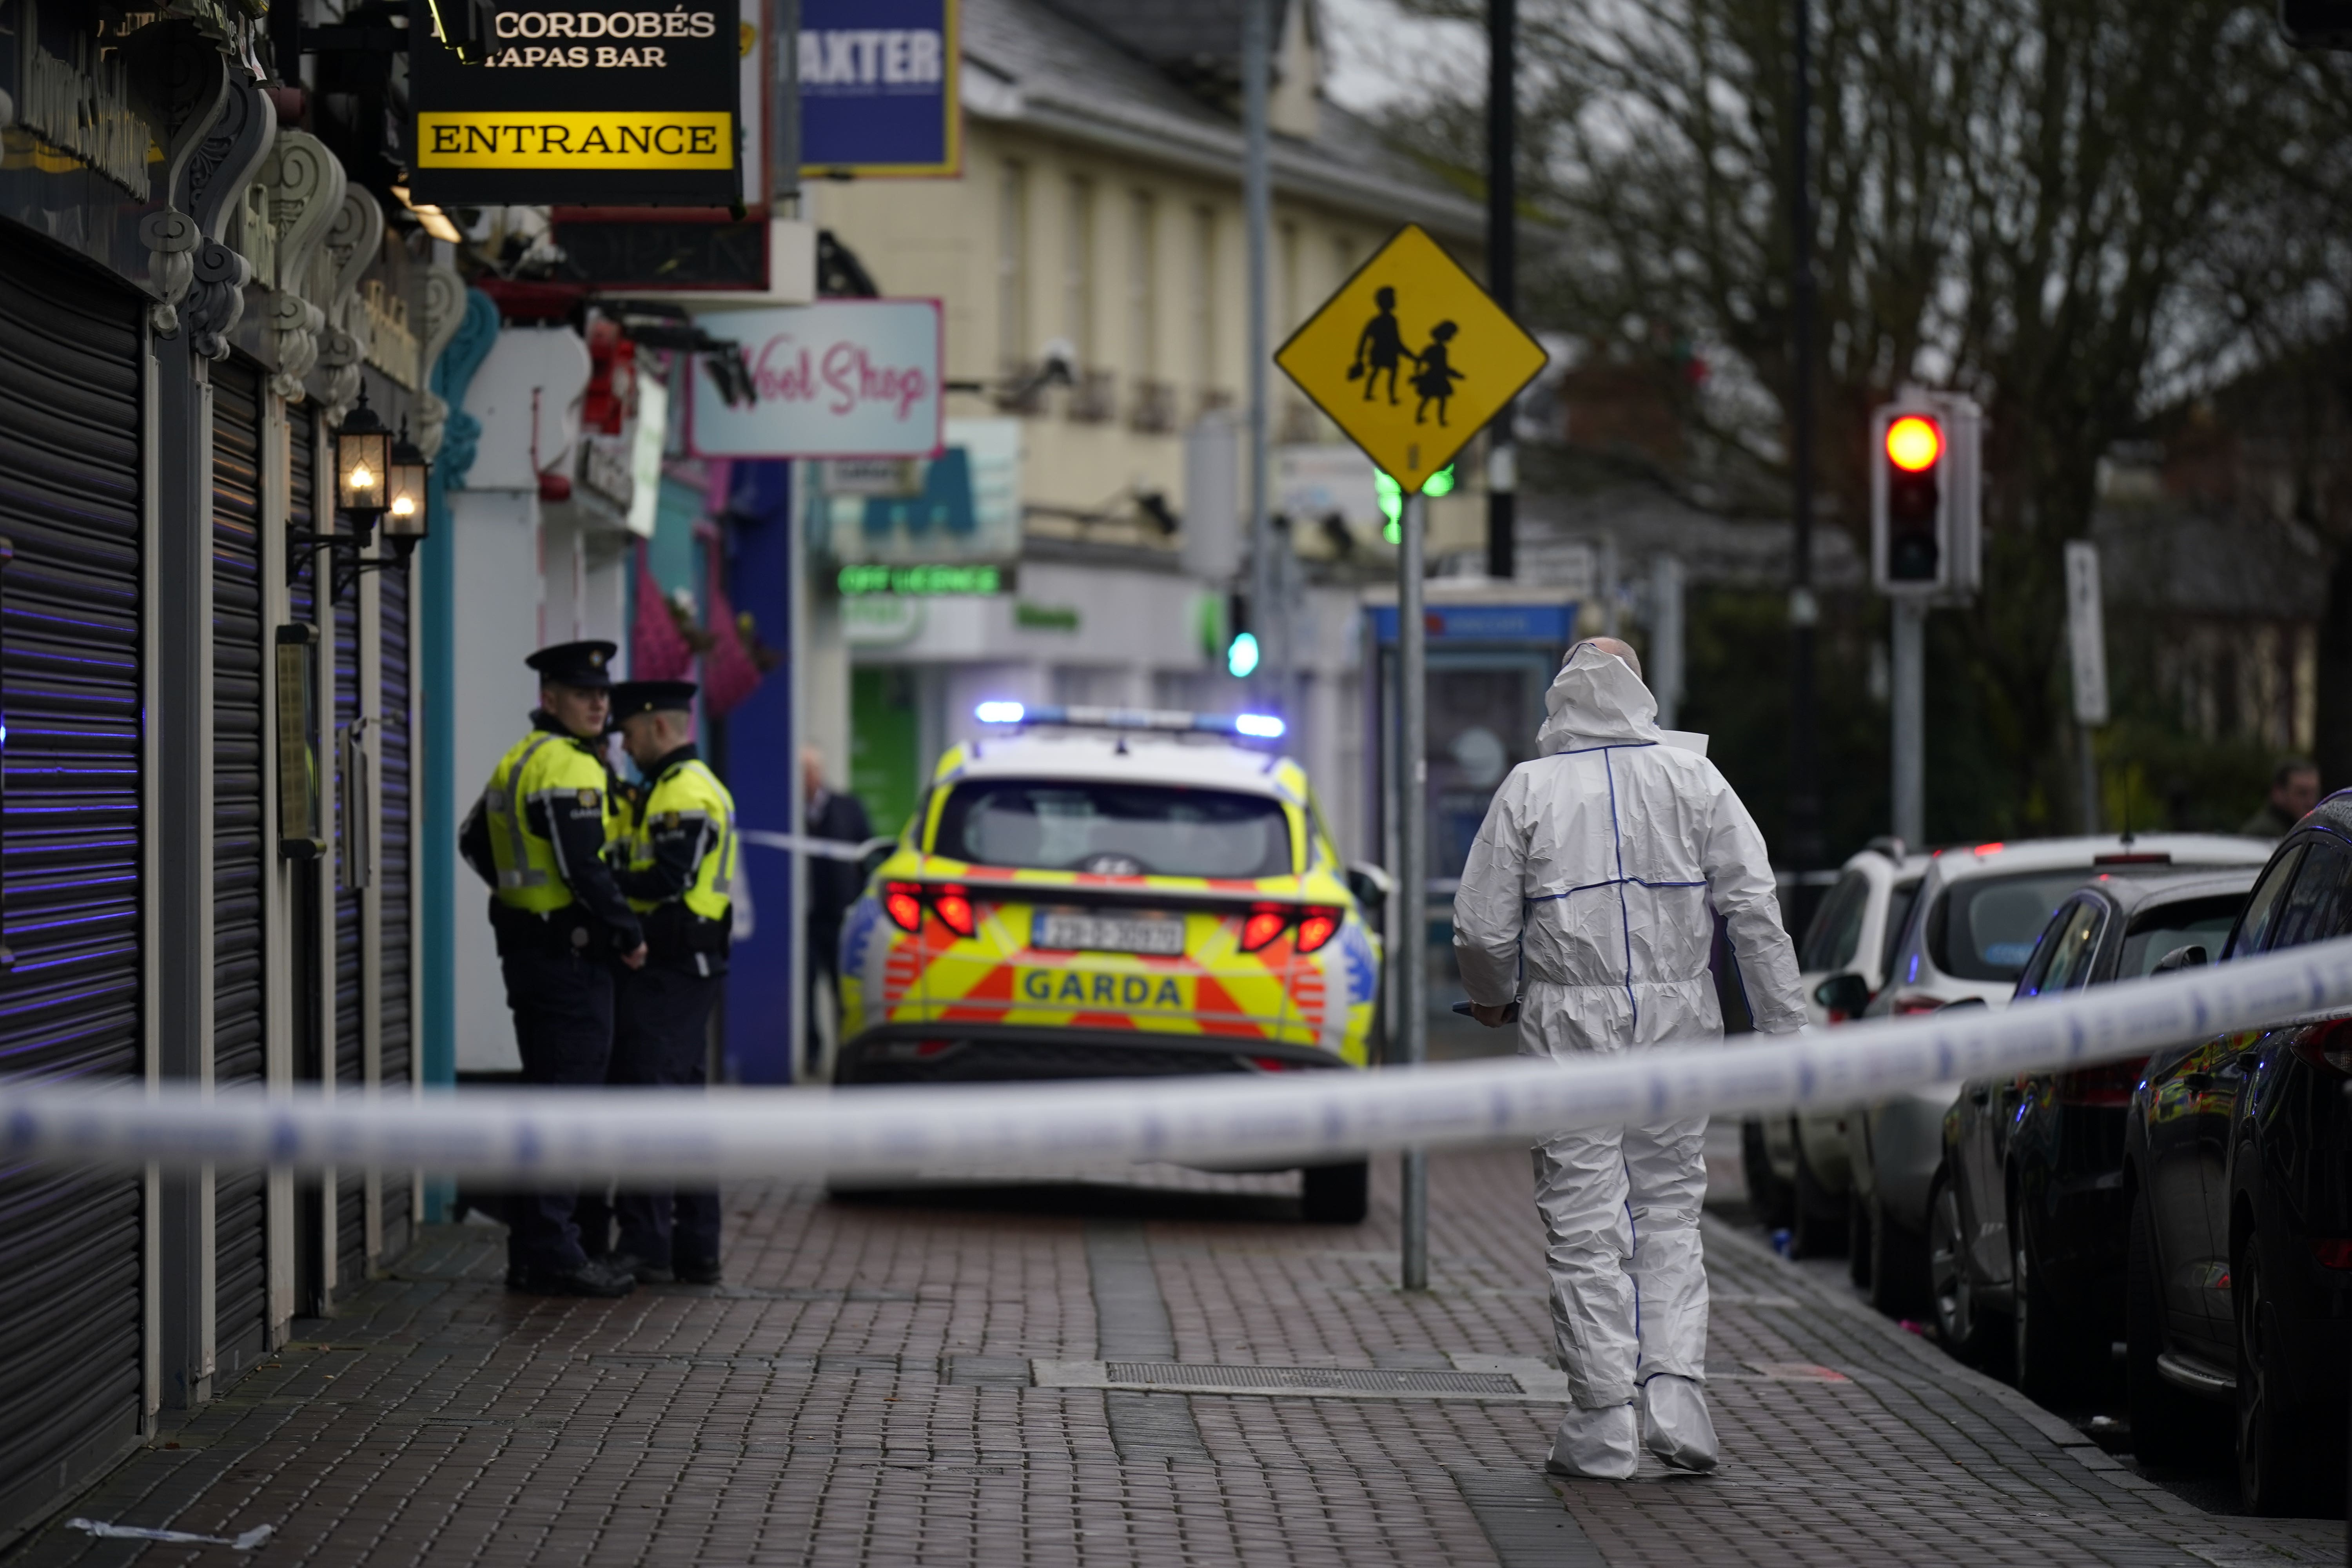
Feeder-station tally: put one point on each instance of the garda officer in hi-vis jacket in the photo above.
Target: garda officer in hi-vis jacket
(678, 871)
(538, 838)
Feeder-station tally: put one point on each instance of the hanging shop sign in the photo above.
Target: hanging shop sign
(840, 378)
(581, 104)
(878, 95)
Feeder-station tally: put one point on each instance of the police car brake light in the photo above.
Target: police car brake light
(904, 903)
(1262, 927)
(1316, 927)
(952, 904)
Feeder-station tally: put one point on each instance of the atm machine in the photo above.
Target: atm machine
(1492, 650)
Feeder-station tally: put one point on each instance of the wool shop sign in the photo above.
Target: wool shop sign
(583, 104)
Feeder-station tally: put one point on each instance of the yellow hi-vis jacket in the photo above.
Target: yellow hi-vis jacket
(681, 869)
(538, 834)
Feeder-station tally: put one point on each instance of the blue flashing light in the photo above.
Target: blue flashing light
(1000, 712)
(1264, 726)
(1242, 656)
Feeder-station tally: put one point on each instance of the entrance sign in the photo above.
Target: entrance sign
(581, 102)
(1411, 358)
(2086, 637)
(878, 88)
(840, 378)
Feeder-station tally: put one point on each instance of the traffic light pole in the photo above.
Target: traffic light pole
(1502, 273)
(1267, 613)
(1411, 954)
(1910, 723)
(1805, 847)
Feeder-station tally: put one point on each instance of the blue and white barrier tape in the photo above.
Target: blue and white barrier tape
(1222, 1119)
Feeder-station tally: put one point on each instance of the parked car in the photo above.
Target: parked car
(2026, 1224)
(2238, 1174)
(1797, 1166)
(1972, 929)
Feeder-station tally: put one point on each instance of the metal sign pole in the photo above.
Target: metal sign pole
(1910, 723)
(1266, 615)
(1411, 955)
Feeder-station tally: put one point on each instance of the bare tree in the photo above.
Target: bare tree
(2031, 200)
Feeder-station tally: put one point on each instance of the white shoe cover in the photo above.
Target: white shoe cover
(1675, 1424)
(1596, 1444)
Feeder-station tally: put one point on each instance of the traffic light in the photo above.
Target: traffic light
(1923, 496)
(1241, 647)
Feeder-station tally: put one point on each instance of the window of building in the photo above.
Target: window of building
(1204, 298)
(1143, 285)
(1078, 271)
(1012, 267)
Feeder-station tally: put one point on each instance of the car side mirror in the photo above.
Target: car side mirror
(1371, 884)
(1842, 997)
(2192, 957)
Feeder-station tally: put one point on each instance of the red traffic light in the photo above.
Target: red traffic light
(1913, 443)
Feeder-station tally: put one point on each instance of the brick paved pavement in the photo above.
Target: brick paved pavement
(863, 1390)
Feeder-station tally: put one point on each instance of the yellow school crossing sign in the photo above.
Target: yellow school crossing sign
(1411, 358)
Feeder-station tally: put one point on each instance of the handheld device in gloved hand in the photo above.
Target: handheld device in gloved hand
(1510, 1014)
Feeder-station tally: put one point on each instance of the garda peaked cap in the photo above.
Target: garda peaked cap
(587, 664)
(631, 698)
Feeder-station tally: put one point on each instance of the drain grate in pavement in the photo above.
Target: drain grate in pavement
(1349, 1379)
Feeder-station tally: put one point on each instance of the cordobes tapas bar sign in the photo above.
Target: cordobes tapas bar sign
(583, 104)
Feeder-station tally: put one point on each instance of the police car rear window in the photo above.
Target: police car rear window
(1115, 829)
(1986, 926)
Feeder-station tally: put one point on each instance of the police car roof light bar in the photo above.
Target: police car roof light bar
(1251, 726)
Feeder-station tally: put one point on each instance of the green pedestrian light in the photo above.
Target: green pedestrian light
(1240, 656)
(1392, 498)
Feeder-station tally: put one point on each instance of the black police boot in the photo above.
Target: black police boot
(702, 1273)
(593, 1277)
(645, 1270)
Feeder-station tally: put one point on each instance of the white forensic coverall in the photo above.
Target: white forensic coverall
(1586, 897)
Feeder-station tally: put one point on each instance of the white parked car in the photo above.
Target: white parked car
(1798, 1167)
(1970, 931)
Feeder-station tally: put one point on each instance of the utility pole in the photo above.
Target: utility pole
(1257, 200)
(1804, 848)
(1502, 273)
(1412, 951)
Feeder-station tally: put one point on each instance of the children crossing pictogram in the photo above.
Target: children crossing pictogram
(1411, 315)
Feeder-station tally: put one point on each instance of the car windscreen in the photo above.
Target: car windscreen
(1115, 829)
(1984, 927)
(1899, 899)
(2153, 933)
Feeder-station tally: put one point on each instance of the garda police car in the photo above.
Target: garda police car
(1102, 892)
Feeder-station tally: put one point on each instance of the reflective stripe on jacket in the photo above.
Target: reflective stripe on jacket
(687, 818)
(547, 769)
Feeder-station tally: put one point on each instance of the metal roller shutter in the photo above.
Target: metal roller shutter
(71, 358)
(392, 873)
(350, 817)
(240, 1231)
(311, 1063)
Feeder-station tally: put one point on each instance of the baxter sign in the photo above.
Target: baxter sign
(580, 104)
(840, 378)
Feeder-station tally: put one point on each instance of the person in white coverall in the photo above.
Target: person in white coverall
(1586, 900)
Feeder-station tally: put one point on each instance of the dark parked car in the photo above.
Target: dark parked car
(2238, 1167)
(2026, 1224)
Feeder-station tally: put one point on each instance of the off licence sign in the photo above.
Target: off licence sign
(1411, 357)
(582, 103)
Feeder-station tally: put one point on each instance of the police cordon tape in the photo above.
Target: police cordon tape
(1231, 1121)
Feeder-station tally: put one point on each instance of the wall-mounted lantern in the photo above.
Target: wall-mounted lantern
(376, 479)
(301, 831)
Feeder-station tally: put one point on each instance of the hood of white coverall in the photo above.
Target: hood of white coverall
(1593, 883)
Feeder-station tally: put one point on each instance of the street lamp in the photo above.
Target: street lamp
(406, 520)
(377, 478)
(364, 465)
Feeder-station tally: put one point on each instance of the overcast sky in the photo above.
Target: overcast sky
(1379, 56)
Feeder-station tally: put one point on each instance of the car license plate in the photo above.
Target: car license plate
(1065, 931)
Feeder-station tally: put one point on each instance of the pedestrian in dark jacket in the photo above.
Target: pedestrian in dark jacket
(834, 884)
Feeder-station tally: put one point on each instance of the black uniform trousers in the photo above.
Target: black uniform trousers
(661, 1036)
(563, 1005)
